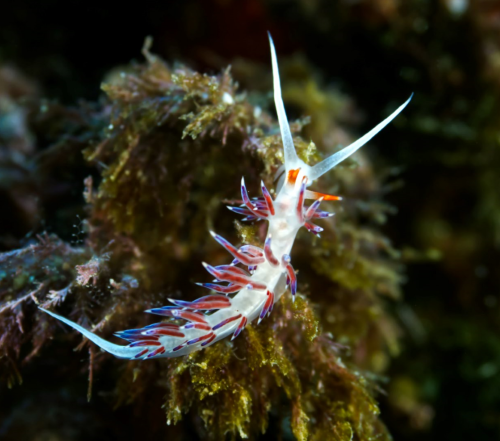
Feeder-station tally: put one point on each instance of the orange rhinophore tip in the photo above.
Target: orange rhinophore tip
(326, 197)
(292, 176)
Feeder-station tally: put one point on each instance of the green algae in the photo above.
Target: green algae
(173, 146)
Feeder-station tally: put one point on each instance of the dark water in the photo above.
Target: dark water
(439, 166)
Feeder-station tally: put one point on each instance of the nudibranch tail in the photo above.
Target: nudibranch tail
(240, 296)
(117, 350)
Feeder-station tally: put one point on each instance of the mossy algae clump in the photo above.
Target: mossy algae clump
(162, 153)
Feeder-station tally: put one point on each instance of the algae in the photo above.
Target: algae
(171, 148)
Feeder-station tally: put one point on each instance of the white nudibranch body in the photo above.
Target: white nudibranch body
(269, 270)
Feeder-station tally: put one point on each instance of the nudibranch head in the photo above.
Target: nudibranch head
(295, 168)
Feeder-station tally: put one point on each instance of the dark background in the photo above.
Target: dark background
(445, 155)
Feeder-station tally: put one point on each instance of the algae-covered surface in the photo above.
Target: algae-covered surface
(116, 161)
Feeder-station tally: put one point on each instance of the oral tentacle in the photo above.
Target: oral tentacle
(291, 158)
(328, 163)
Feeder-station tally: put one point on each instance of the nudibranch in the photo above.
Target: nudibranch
(247, 288)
